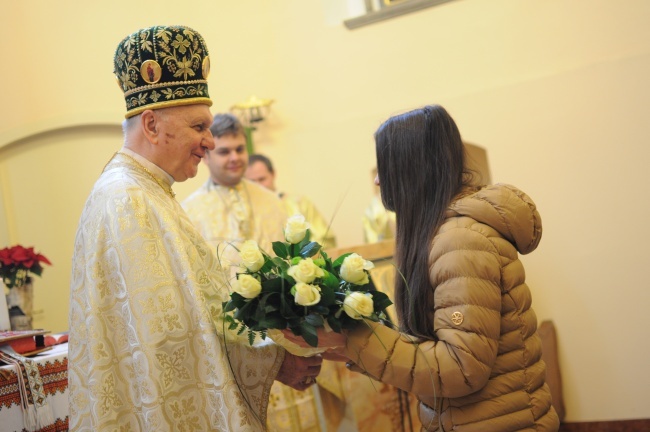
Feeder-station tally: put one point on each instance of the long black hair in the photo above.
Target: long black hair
(421, 167)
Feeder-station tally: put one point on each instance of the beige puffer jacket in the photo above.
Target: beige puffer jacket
(485, 372)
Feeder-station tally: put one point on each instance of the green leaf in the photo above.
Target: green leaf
(280, 249)
(335, 324)
(324, 255)
(236, 301)
(310, 249)
(340, 259)
(242, 313)
(251, 337)
(273, 285)
(281, 264)
(302, 243)
(273, 322)
(329, 280)
(308, 333)
(315, 320)
(268, 265)
(327, 296)
(380, 300)
(285, 308)
(259, 312)
(320, 309)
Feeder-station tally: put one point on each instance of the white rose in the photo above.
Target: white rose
(247, 286)
(353, 269)
(295, 229)
(305, 294)
(358, 305)
(251, 255)
(305, 271)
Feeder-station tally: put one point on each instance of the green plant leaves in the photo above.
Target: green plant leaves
(310, 249)
(280, 249)
(380, 300)
(308, 333)
(275, 307)
(339, 260)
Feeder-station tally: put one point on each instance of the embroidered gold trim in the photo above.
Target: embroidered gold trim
(168, 190)
(167, 104)
(162, 84)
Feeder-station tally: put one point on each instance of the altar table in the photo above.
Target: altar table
(53, 367)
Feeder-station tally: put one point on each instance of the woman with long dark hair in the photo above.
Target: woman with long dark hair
(467, 345)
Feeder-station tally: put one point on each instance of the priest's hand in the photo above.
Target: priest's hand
(299, 372)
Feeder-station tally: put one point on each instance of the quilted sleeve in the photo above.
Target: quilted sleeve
(465, 271)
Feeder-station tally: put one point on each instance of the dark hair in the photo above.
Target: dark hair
(226, 124)
(261, 158)
(421, 166)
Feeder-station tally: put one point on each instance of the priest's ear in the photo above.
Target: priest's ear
(151, 121)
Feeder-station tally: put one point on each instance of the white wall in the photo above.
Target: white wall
(556, 91)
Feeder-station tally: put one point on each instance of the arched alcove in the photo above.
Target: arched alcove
(45, 179)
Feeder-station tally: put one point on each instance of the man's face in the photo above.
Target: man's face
(229, 159)
(259, 173)
(185, 139)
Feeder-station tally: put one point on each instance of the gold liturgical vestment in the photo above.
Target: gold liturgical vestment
(227, 216)
(147, 349)
(378, 223)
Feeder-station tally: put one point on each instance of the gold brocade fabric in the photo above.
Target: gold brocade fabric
(378, 223)
(227, 216)
(147, 349)
(380, 407)
(319, 227)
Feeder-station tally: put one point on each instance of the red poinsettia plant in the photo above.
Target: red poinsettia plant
(18, 262)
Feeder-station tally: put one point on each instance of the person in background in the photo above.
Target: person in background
(229, 210)
(260, 170)
(378, 223)
(147, 347)
(467, 344)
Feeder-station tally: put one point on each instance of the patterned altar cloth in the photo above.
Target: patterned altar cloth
(53, 367)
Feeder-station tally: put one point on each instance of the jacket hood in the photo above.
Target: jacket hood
(506, 209)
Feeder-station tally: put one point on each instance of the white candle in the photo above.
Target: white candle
(5, 324)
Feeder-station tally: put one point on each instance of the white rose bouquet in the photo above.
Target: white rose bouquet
(301, 289)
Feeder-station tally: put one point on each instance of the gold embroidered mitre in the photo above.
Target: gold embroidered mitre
(162, 66)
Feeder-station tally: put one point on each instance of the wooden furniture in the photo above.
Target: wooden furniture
(546, 331)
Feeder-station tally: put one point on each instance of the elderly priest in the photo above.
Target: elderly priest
(148, 349)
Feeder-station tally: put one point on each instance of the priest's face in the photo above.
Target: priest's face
(229, 159)
(185, 139)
